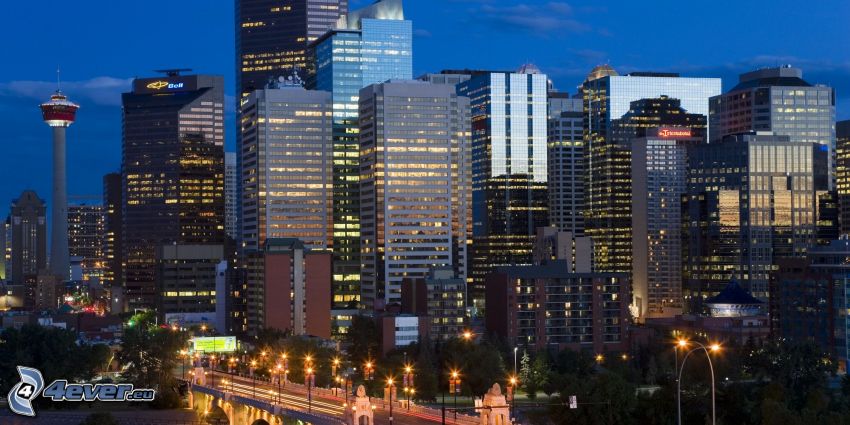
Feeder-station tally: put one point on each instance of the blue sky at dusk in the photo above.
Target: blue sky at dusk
(102, 44)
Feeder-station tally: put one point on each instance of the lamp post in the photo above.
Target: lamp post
(713, 348)
(231, 366)
(454, 387)
(512, 384)
(279, 369)
(515, 351)
(253, 379)
(310, 377)
(390, 386)
(285, 368)
(183, 355)
(408, 383)
(368, 369)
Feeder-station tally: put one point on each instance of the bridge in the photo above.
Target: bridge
(230, 399)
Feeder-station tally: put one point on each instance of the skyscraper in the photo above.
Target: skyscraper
(59, 113)
(509, 171)
(777, 100)
(287, 157)
(415, 185)
(272, 37)
(842, 174)
(751, 200)
(112, 237)
(565, 160)
(173, 173)
(86, 239)
(372, 45)
(28, 231)
(231, 194)
(607, 97)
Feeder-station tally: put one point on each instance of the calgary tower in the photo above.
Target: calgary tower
(59, 113)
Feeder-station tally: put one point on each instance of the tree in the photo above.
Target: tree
(425, 372)
(362, 340)
(534, 375)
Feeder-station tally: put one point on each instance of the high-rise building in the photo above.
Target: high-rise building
(842, 174)
(509, 171)
(780, 101)
(173, 173)
(231, 195)
(645, 183)
(415, 185)
(287, 158)
(272, 37)
(59, 113)
(113, 252)
(372, 45)
(288, 288)
(576, 252)
(86, 231)
(440, 298)
(751, 200)
(565, 159)
(607, 97)
(28, 236)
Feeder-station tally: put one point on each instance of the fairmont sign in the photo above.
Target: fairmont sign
(673, 133)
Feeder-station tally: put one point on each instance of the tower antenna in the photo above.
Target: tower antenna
(58, 80)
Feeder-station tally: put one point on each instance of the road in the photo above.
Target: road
(295, 397)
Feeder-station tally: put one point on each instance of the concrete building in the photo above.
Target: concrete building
(28, 237)
(575, 251)
(369, 46)
(608, 96)
(400, 331)
(415, 185)
(565, 161)
(509, 169)
(439, 298)
(172, 172)
(186, 275)
(86, 232)
(288, 288)
(751, 200)
(287, 167)
(545, 305)
(231, 195)
(780, 101)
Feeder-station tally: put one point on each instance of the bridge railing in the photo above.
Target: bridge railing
(311, 417)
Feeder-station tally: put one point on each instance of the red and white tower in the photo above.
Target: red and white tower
(59, 113)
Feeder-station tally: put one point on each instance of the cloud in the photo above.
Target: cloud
(99, 90)
(549, 19)
(419, 32)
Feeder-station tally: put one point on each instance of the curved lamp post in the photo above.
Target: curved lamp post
(713, 348)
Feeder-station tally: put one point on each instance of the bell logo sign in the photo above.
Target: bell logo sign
(159, 85)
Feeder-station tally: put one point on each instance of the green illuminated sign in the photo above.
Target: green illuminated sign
(214, 344)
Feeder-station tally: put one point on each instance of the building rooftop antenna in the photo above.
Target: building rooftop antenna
(173, 72)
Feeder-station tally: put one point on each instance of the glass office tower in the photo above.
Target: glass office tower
(607, 97)
(272, 37)
(369, 45)
(509, 169)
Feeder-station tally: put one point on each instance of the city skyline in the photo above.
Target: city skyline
(564, 39)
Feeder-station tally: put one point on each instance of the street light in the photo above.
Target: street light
(253, 379)
(279, 369)
(310, 378)
(231, 367)
(512, 384)
(367, 370)
(390, 385)
(515, 350)
(408, 383)
(454, 387)
(285, 368)
(183, 355)
(467, 335)
(713, 348)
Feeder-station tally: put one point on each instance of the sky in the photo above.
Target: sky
(101, 45)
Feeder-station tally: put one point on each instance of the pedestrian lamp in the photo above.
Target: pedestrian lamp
(285, 367)
(467, 335)
(334, 366)
(279, 370)
(454, 387)
(263, 355)
(408, 383)
(231, 367)
(253, 378)
(390, 385)
(368, 369)
(183, 355)
(310, 380)
(512, 384)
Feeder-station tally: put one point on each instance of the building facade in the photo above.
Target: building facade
(415, 185)
(608, 97)
(231, 195)
(545, 305)
(288, 288)
(509, 168)
(112, 229)
(172, 173)
(272, 38)
(86, 232)
(440, 298)
(780, 101)
(751, 200)
(186, 275)
(576, 252)
(287, 167)
(28, 236)
(842, 174)
(370, 46)
(565, 160)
